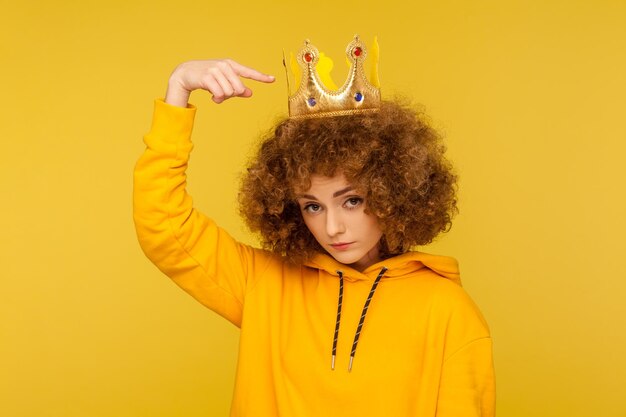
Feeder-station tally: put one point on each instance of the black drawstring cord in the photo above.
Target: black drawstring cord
(365, 307)
(332, 363)
(361, 321)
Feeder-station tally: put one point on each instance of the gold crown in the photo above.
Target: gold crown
(315, 99)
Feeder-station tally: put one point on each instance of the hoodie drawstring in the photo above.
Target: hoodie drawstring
(361, 321)
(332, 363)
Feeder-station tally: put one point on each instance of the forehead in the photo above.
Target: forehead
(322, 185)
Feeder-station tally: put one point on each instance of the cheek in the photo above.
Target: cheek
(376, 226)
(311, 224)
(370, 225)
(376, 231)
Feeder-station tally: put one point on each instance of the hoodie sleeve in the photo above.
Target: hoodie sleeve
(467, 382)
(183, 243)
(467, 387)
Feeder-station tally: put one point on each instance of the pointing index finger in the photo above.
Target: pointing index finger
(251, 73)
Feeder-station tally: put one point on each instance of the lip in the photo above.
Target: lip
(341, 245)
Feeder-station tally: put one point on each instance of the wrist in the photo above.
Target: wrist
(176, 95)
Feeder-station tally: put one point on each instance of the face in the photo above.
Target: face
(334, 212)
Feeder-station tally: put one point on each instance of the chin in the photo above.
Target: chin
(346, 258)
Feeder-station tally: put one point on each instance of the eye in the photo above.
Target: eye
(312, 208)
(353, 202)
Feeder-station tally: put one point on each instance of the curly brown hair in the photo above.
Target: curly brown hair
(393, 156)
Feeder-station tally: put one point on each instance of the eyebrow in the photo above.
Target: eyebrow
(335, 194)
(343, 191)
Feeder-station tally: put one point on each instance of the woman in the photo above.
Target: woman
(337, 316)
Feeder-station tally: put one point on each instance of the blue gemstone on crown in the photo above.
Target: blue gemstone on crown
(358, 96)
(311, 101)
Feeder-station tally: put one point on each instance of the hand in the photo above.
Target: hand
(220, 77)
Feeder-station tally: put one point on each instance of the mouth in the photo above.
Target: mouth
(341, 245)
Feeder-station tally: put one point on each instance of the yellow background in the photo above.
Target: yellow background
(530, 94)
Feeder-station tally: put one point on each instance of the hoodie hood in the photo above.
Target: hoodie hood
(397, 266)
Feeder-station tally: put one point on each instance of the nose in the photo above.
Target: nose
(334, 223)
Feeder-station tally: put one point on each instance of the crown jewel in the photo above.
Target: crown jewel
(314, 99)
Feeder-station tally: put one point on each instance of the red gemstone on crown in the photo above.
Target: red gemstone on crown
(358, 51)
(308, 57)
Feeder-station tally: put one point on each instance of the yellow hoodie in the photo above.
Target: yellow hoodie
(424, 348)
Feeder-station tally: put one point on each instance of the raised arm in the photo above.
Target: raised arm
(186, 245)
